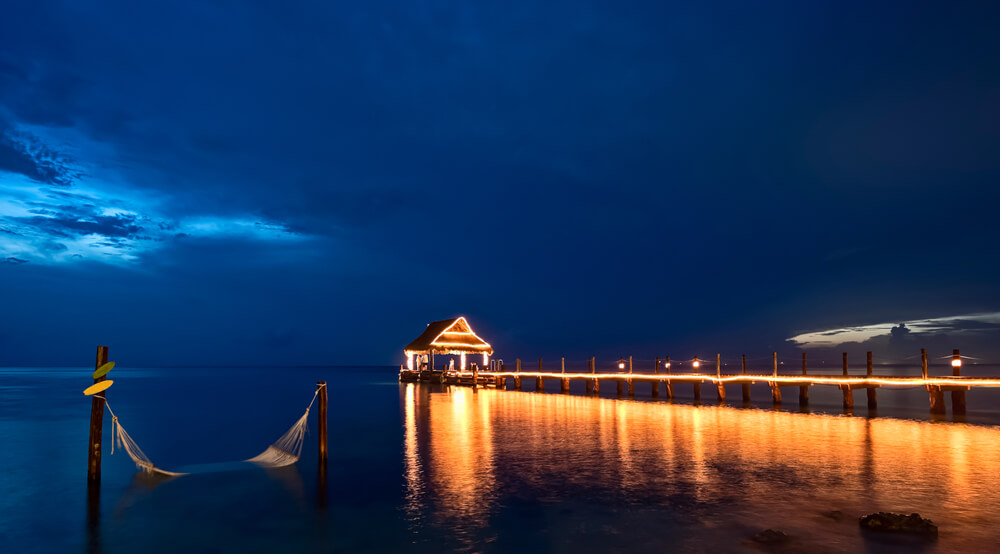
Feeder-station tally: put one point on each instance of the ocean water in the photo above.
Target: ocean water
(430, 468)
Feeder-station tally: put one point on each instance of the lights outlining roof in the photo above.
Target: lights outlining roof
(449, 336)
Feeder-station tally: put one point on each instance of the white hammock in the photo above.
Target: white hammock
(284, 452)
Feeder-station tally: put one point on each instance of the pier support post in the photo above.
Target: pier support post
(957, 396)
(539, 381)
(746, 386)
(697, 384)
(934, 393)
(775, 389)
(593, 369)
(96, 424)
(848, 391)
(517, 377)
(872, 393)
(719, 387)
(502, 381)
(475, 377)
(588, 385)
(655, 392)
(669, 384)
(565, 381)
(804, 389)
(631, 383)
(621, 368)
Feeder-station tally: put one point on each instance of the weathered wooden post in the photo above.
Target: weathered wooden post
(872, 393)
(539, 381)
(746, 386)
(517, 377)
(669, 384)
(322, 398)
(655, 393)
(593, 369)
(720, 388)
(621, 368)
(804, 389)
(775, 389)
(934, 392)
(321, 487)
(588, 384)
(631, 382)
(697, 384)
(502, 381)
(848, 391)
(96, 424)
(565, 381)
(957, 395)
(475, 377)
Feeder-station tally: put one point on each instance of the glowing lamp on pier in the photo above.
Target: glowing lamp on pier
(621, 365)
(667, 365)
(957, 362)
(696, 364)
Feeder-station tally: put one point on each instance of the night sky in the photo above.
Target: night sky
(202, 183)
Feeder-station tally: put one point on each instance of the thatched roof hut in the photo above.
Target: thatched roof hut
(449, 336)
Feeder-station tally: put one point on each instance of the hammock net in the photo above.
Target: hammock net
(283, 452)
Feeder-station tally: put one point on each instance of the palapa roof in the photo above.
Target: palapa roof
(449, 336)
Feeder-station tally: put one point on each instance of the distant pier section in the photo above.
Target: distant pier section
(455, 337)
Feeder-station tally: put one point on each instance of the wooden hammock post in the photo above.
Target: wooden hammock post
(96, 424)
(872, 393)
(934, 392)
(804, 389)
(697, 384)
(321, 387)
(669, 384)
(539, 381)
(517, 378)
(655, 393)
(565, 381)
(631, 383)
(957, 396)
(775, 388)
(746, 386)
(720, 387)
(848, 392)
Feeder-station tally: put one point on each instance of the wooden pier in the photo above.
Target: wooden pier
(625, 378)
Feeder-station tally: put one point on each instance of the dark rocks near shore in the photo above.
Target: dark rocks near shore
(771, 537)
(888, 522)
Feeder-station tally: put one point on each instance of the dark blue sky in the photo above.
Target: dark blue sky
(311, 183)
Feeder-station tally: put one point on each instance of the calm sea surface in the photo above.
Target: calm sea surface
(429, 468)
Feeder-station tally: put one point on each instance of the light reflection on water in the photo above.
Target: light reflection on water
(719, 473)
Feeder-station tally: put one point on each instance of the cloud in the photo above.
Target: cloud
(25, 154)
(902, 332)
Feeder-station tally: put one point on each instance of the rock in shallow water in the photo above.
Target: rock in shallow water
(899, 523)
(770, 536)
